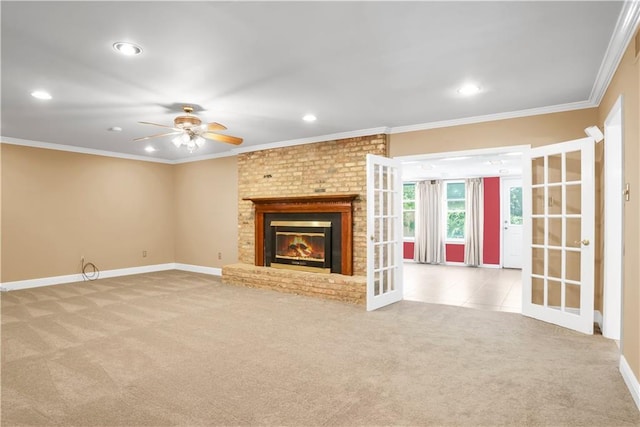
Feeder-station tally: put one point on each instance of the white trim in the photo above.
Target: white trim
(70, 278)
(44, 281)
(313, 139)
(213, 271)
(581, 105)
(203, 157)
(76, 149)
(137, 270)
(597, 317)
(613, 224)
(454, 263)
(624, 30)
(630, 380)
(490, 266)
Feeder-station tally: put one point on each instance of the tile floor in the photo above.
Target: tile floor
(482, 288)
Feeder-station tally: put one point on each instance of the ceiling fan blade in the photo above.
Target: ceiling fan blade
(162, 126)
(158, 135)
(213, 126)
(223, 138)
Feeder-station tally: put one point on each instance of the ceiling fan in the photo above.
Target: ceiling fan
(191, 132)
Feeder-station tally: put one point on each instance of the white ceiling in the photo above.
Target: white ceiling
(501, 162)
(258, 67)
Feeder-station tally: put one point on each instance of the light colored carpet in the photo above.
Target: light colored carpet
(177, 348)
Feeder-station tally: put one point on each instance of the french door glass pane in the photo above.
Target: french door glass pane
(574, 165)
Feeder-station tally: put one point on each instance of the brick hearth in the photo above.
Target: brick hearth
(338, 287)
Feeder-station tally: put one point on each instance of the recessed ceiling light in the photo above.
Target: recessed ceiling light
(115, 129)
(40, 94)
(128, 49)
(309, 118)
(149, 149)
(469, 89)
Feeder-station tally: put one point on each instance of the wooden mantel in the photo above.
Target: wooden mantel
(332, 203)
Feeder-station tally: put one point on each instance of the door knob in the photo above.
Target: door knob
(584, 242)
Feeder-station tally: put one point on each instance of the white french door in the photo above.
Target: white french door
(559, 204)
(384, 232)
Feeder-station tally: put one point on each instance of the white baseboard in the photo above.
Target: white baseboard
(490, 266)
(105, 274)
(44, 281)
(597, 317)
(630, 379)
(214, 271)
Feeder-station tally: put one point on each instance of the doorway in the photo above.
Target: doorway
(511, 201)
(488, 287)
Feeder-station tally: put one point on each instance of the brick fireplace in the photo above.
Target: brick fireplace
(303, 177)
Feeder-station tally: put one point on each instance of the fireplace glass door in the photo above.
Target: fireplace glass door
(302, 245)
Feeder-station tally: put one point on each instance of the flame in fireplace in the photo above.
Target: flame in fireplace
(299, 247)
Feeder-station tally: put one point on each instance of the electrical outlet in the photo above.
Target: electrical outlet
(144, 254)
(219, 255)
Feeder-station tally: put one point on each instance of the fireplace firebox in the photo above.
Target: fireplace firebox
(301, 245)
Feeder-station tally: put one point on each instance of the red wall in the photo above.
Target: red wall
(454, 252)
(408, 250)
(491, 243)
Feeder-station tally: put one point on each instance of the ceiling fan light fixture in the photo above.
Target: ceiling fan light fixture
(126, 48)
(186, 122)
(181, 139)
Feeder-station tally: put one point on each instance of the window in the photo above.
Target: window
(409, 210)
(515, 205)
(455, 207)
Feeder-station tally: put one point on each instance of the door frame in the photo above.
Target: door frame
(613, 224)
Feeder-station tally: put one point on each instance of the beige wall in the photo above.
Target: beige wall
(206, 212)
(626, 82)
(58, 206)
(534, 130)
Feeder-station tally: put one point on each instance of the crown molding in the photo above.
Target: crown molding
(623, 32)
(76, 149)
(203, 157)
(311, 140)
(494, 117)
